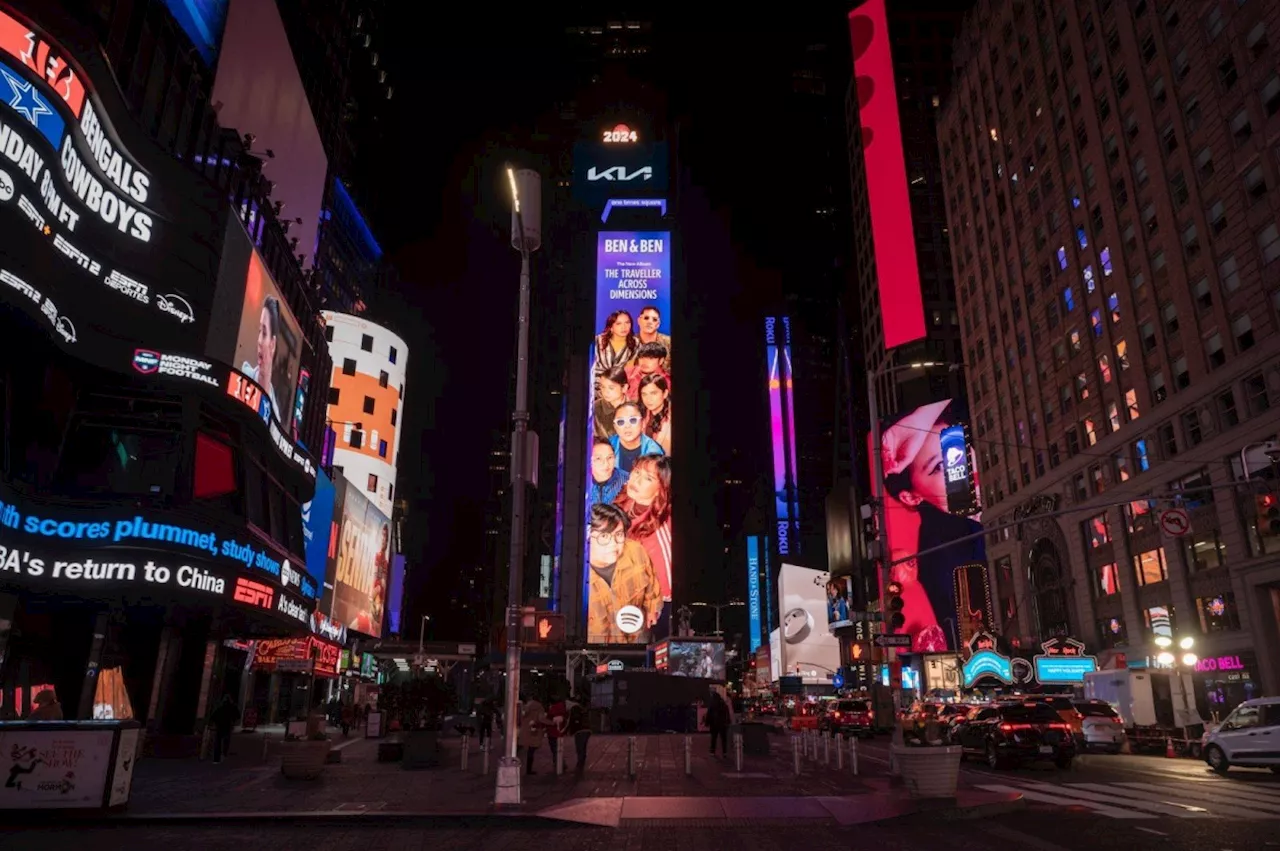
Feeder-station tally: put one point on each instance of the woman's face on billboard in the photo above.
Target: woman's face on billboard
(266, 347)
(643, 484)
(928, 479)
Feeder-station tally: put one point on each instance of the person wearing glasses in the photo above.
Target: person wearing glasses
(607, 481)
(621, 577)
(611, 391)
(629, 441)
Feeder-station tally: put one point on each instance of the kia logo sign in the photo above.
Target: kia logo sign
(620, 174)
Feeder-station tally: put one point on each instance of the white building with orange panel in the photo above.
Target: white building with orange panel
(366, 402)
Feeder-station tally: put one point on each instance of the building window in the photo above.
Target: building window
(1218, 613)
(1229, 274)
(1227, 413)
(1062, 257)
(1271, 95)
(1108, 580)
(1204, 162)
(348, 366)
(1069, 298)
(334, 393)
(1167, 440)
(1242, 328)
(382, 449)
(1150, 567)
(1112, 632)
(1241, 127)
(1140, 457)
(366, 342)
(1213, 350)
(328, 333)
(1159, 392)
(1204, 550)
(393, 354)
(1158, 621)
(1140, 516)
(1191, 427)
(1096, 531)
(395, 413)
(1123, 471)
(368, 404)
(1181, 376)
(1255, 395)
(355, 439)
(372, 486)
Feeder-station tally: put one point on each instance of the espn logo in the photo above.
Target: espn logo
(253, 593)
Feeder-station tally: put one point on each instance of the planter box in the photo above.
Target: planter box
(421, 749)
(303, 760)
(929, 772)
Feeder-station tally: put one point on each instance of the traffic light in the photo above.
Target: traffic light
(1268, 507)
(548, 629)
(894, 620)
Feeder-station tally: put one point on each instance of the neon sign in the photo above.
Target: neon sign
(1220, 663)
(622, 134)
(986, 663)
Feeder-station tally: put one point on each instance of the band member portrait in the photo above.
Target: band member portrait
(607, 480)
(655, 400)
(915, 481)
(621, 575)
(646, 499)
(616, 345)
(611, 391)
(649, 358)
(650, 320)
(629, 440)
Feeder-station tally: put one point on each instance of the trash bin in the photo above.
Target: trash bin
(755, 738)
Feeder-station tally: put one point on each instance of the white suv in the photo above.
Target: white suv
(1249, 737)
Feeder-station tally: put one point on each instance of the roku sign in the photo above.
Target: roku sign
(1220, 663)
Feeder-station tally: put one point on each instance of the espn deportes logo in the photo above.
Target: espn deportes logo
(253, 593)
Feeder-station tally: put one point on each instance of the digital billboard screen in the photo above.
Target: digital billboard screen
(202, 21)
(839, 600)
(317, 520)
(628, 575)
(893, 237)
(362, 562)
(602, 172)
(755, 621)
(919, 518)
(108, 242)
(782, 432)
(703, 659)
(808, 646)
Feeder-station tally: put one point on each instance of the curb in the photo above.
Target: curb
(513, 819)
(951, 811)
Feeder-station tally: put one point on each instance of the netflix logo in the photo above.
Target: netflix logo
(253, 593)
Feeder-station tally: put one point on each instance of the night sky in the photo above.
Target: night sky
(463, 106)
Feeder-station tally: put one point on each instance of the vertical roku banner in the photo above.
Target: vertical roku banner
(897, 271)
(777, 333)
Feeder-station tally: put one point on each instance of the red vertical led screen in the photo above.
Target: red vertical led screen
(901, 307)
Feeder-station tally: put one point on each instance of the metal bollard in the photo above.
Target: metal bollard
(560, 756)
(795, 753)
(737, 751)
(466, 750)
(826, 748)
(839, 755)
(688, 756)
(484, 758)
(853, 754)
(631, 757)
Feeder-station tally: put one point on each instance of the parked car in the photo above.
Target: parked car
(1066, 711)
(1248, 737)
(1102, 728)
(849, 718)
(1012, 733)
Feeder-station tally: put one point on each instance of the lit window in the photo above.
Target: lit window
(1095, 320)
(1150, 568)
(1122, 354)
(1113, 304)
(1088, 279)
(1140, 455)
(1062, 257)
(1098, 531)
(1069, 297)
(1131, 403)
(1075, 341)
(1104, 367)
(1113, 416)
(1081, 236)
(1090, 432)
(1105, 257)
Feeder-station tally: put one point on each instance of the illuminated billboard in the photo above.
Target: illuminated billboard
(202, 21)
(753, 592)
(958, 466)
(893, 237)
(777, 332)
(628, 575)
(361, 554)
(602, 171)
(809, 649)
(695, 658)
(918, 519)
(839, 602)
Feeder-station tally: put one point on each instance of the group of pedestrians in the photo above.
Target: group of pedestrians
(564, 719)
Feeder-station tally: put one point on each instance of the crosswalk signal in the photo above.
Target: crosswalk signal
(1268, 507)
(893, 618)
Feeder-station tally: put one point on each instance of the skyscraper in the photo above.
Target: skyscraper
(1113, 207)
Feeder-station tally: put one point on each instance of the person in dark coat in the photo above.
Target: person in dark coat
(222, 719)
(718, 718)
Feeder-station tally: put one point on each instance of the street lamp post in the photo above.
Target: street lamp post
(526, 237)
(881, 508)
(422, 632)
(719, 607)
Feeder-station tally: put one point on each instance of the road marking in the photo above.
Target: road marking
(1100, 809)
(1081, 790)
(1171, 797)
(1212, 796)
(344, 744)
(1149, 830)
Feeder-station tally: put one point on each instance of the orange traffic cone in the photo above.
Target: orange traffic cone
(1168, 748)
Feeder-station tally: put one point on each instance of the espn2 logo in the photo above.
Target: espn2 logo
(253, 593)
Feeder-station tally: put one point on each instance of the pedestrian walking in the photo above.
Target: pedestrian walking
(580, 730)
(348, 718)
(223, 718)
(718, 718)
(532, 730)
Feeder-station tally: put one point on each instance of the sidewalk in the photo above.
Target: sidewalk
(249, 786)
